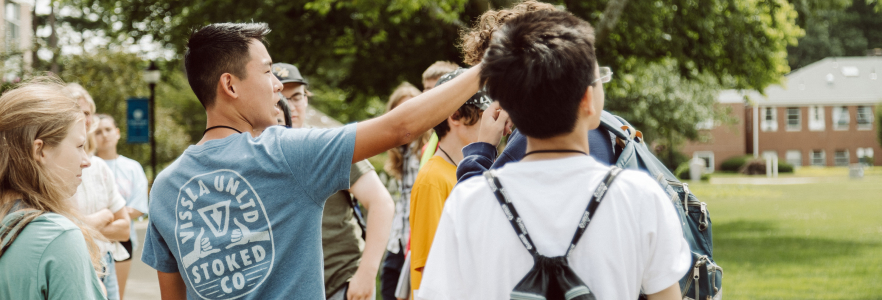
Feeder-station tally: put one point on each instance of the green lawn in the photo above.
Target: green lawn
(808, 241)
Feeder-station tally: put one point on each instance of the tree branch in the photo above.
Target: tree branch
(609, 19)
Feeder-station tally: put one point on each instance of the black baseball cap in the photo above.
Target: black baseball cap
(288, 73)
(479, 99)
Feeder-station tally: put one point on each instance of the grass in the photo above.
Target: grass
(810, 241)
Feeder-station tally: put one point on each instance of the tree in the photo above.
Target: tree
(113, 76)
(836, 28)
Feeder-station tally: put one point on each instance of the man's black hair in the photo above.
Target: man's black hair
(217, 49)
(538, 67)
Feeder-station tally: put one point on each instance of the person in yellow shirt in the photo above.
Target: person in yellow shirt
(438, 176)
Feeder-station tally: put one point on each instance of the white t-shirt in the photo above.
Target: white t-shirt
(132, 185)
(634, 241)
(98, 191)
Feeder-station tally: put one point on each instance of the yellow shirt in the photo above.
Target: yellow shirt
(430, 190)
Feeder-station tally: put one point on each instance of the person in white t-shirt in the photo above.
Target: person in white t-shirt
(99, 200)
(132, 184)
(541, 67)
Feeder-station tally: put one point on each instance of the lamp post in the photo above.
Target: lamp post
(151, 76)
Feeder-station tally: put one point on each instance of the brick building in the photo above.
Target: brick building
(17, 40)
(823, 115)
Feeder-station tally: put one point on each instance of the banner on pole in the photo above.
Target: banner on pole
(137, 121)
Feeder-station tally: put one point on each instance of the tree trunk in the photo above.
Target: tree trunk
(53, 41)
(36, 46)
(609, 19)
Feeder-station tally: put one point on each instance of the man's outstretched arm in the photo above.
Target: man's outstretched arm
(415, 116)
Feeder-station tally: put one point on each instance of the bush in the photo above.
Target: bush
(784, 167)
(734, 164)
(682, 172)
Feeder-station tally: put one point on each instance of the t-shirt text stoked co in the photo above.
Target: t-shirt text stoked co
(244, 266)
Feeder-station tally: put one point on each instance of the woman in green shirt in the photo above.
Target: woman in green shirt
(45, 250)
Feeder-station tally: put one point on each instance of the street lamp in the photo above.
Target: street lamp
(151, 76)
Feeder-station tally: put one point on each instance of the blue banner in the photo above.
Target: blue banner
(137, 121)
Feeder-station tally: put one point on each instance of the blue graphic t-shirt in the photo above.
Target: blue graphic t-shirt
(240, 217)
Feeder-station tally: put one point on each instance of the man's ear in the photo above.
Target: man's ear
(226, 85)
(586, 105)
(37, 150)
(454, 119)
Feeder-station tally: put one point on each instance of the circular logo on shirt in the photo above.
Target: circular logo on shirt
(224, 237)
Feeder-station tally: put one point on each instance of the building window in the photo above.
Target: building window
(793, 119)
(794, 158)
(840, 158)
(864, 118)
(865, 155)
(770, 121)
(12, 17)
(708, 158)
(818, 158)
(816, 118)
(840, 118)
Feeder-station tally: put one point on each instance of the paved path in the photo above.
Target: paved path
(142, 284)
(765, 180)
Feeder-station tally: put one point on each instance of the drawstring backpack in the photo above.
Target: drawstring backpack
(550, 277)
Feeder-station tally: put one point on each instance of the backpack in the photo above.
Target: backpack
(705, 279)
(550, 277)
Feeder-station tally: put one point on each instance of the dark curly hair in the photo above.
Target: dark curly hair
(475, 40)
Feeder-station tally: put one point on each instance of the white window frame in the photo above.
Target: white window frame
(798, 125)
(816, 121)
(841, 118)
(837, 159)
(709, 167)
(868, 113)
(794, 157)
(769, 118)
(822, 158)
(12, 25)
(864, 152)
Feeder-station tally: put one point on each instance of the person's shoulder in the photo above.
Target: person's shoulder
(130, 163)
(637, 183)
(436, 171)
(53, 224)
(98, 162)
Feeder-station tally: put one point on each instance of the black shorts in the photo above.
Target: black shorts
(128, 246)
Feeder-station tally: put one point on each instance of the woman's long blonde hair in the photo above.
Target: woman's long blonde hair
(35, 110)
(395, 163)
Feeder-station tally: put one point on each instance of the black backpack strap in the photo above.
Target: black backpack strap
(508, 208)
(601, 190)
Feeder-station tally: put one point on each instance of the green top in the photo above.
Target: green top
(48, 260)
(341, 236)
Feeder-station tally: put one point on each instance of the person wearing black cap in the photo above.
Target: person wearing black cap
(350, 263)
(294, 90)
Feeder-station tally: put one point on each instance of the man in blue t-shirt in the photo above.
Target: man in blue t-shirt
(238, 215)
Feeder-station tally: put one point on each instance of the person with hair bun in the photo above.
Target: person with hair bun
(46, 251)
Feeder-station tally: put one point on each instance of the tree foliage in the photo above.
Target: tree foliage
(836, 28)
(113, 76)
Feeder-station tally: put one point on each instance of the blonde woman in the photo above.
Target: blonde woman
(98, 198)
(46, 252)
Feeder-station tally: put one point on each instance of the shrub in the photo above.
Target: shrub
(784, 167)
(682, 171)
(734, 164)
